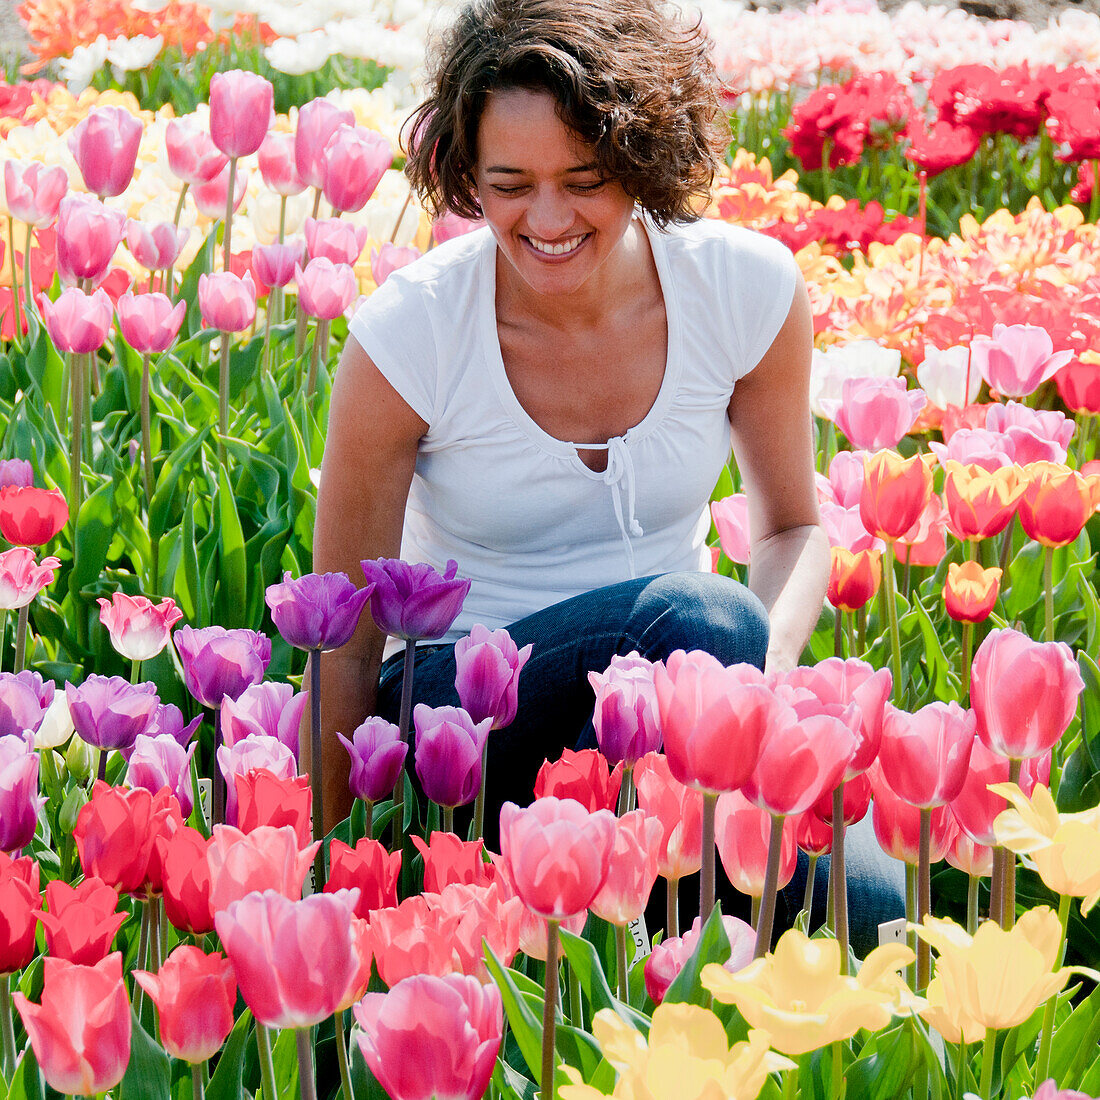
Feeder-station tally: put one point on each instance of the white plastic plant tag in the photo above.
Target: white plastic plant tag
(892, 931)
(640, 935)
(206, 794)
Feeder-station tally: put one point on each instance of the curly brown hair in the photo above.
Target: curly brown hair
(629, 79)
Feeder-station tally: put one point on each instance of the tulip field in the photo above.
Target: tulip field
(195, 201)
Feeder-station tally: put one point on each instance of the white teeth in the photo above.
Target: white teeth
(556, 249)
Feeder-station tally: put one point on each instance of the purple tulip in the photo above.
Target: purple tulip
(16, 471)
(487, 666)
(19, 799)
(317, 611)
(108, 712)
(162, 761)
(270, 709)
(414, 601)
(169, 719)
(377, 757)
(257, 751)
(448, 753)
(218, 663)
(24, 700)
(626, 721)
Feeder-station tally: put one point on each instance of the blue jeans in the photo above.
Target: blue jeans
(653, 615)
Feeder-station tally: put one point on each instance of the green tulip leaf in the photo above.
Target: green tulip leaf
(148, 1076)
(523, 1010)
(226, 1081)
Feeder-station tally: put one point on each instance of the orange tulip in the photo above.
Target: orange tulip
(853, 577)
(895, 492)
(1057, 503)
(970, 591)
(980, 502)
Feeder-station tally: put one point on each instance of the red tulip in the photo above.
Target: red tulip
(924, 756)
(81, 1030)
(975, 806)
(679, 809)
(556, 854)
(895, 492)
(149, 322)
(139, 628)
(742, 833)
(192, 155)
(294, 959)
(812, 835)
(897, 823)
(713, 719)
(264, 859)
(264, 798)
(854, 577)
(369, 868)
(78, 322)
(81, 920)
(1024, 693)
(34, 192)
(241, 111)
(195, 994)
(20, 902)
(857, 801)
(30, 516)
(449, 859)
(432, 1037)
(1078, 382)
(582, 776)
(353, 164)
(104, 145)
(186, 880)
(633, 871)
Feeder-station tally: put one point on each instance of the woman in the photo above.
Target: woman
(550, 399)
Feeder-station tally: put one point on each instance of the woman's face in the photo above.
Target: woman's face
(554, 219)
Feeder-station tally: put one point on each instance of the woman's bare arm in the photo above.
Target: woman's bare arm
(773, 443)
(370, 453)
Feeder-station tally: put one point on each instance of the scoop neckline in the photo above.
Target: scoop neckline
(561, 448)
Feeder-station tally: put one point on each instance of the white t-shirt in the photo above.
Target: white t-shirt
(525, 519)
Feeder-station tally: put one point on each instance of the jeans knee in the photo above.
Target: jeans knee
(700, 611)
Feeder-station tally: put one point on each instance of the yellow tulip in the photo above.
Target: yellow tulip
(993, 979)
(687, 1055)
(799, 997)
(1064, 848)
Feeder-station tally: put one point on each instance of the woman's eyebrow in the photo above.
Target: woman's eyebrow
(506, 170)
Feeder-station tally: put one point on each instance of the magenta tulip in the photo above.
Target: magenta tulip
(325, 289)
(335, 239)
(277, 164)
(414, 601)
(353, 164)
(22, 578)
(227, 301)
(162, 761)
(19, 799)
(317, 121)
(432, 1037)
(487, 668)
(387, 259)
(168, 719)
(274, 264)
(155, 246)
(625, 716)
(16, 471)
(149, 322)
(267, 709)
(925, 756)
(241, 111)
(78, 322)
(218, 662)
(192, 155)
(87, 235)
(108, 712)
(105, 146)
(377, 757)
(318, 610)
(34, 192)
(449, 745)
(24, 699)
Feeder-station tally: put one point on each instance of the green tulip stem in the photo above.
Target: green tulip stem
(987, 1061)
(790, 1084)
(167, 279)
(1048, 591)
(3, 634)
(21, 637)
(1014, 768)
(142, 954)
(672, 908)
(404, 718)
(135, 672)
(960, 1071)
(479, 800)
(967, 660)
(28, 285)
(911, 916)
(771, 889)
(888, 584)
(307, 1077)
(808, 894)
(76, 436)
(227, 252)
(18, 335)
(576, 1007)
(1042, 1062)
(972, 904)
(924, 896)
(838, 878)
(1094, 198)
(861, 631)
(838, 1069)
(320, 350)
(8, 1027)
(997, 885)
(217, 783)
(223, 395)
(101, 764)
(838, 633)
(146, 434)
(448, 818)
(549, 1007)
(197, 1090)
(621, 963)
(346, 1090)
(626, 790)
(315, 769)
(267, 1063)
(706, 873)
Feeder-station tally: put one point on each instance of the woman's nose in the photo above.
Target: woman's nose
(550, 213)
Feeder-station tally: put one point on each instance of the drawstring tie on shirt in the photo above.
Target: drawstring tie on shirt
(619, 476)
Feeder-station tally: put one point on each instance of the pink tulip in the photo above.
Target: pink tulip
(293, 959)
(975, 446)
(1024, 693)
(149, 322)
(353, 164)
(317, 121)
(386, 260)
(488, 665)
(669, 956)
(275, 264)
(267, 858)
(925, 756)
(335, 239)
(325, 289)
(162, 761)
(876, 412)
(81, 1030)
(247, 754)
(155, 247)
(633, 871)
(1017, 359)
(139, 628)
(713, 719)
(448, 226)
(679, 809)
(267, 709)
(278, 166)
(87, 235)
(34, 192)
(195, 994)
(211, 197)
(857, 801)
(21, 578)
(241, 111)
(78, 322)
(556, 854)
(192, 155)
(969, 856)
(844, 527)
(731, 517)
(625, 715)
(20, 802)
(432, 1037)
(227, 301)
(1031, 435)
(897, 823)
(105, 146)
(742, 832)
(975, 806)
(846, 478)
(1049, 1090)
